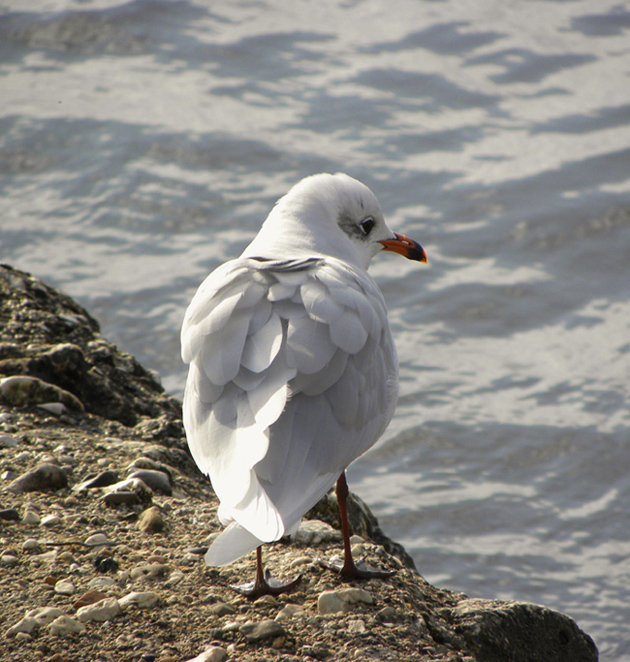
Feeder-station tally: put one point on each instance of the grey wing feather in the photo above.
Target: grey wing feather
(293, 375)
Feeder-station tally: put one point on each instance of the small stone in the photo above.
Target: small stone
(261, 630)
(158, 481)
(50, 520)
(300, 561)
(66, 557)
(231, 626)
(55, 408)
(19, 390)
(266, 600)
(104, 610)
(101, 582)
(30, 544)
(175, 578)
(89, 598)
(64, 587)
(25, 625)
(211, 654)
(288, 612)
(315, 532)
(105, 564)
(278, 642)
(142, 600)
(103, 479)
(330, 602)
(150, 571)
(63, 626)
(135, 485)
(42, 479)
(8, 441)
(222, 609)
(388, 615)
(31, 518)
(46, 557)
(151, 520)
(356, 627)
(97, 540)
(45, 615)
(9, 560)
(121, 499)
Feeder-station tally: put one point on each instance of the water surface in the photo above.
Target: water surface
(142, 143)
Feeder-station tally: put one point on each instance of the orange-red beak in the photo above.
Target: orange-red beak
(407, 247)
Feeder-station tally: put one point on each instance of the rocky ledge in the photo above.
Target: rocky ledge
(104, 520)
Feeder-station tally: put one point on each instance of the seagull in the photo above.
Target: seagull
(293, 371)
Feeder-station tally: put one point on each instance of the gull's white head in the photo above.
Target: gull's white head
(329, 215)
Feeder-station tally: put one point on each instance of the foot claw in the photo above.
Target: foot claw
(356, 571)
(266, 586)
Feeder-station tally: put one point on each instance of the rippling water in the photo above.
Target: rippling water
(142, 143)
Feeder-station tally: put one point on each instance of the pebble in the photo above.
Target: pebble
(175, 578)
(231, 626)
(19, 390)
(64, 587)
(105, 564)
(55, 408)
(27, 624)
(89, 598)
(8, 441)
(121, 499)
(101, 582)
(51, 520)
(315, 532)
(356, 627)
(103, 479)
(300, 561)
(46, 557)
(96, 540)
(31, 518)
(158, 481)
(63, 626)
(341, 600)
(151, 520)
(66, 557)
(103, 610)
(150, 571)
(140, 599)
(9, 560)
(261, 630)
(388, 615)
(135, 485)
(266, 600)
(222, 609)
(289, 611)
(45, 615)
(43, 478)
(211, 654)
(30, 544)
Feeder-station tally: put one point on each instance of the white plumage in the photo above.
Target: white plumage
(293, 370)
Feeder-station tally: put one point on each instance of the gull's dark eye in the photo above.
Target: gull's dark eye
(367, 226)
